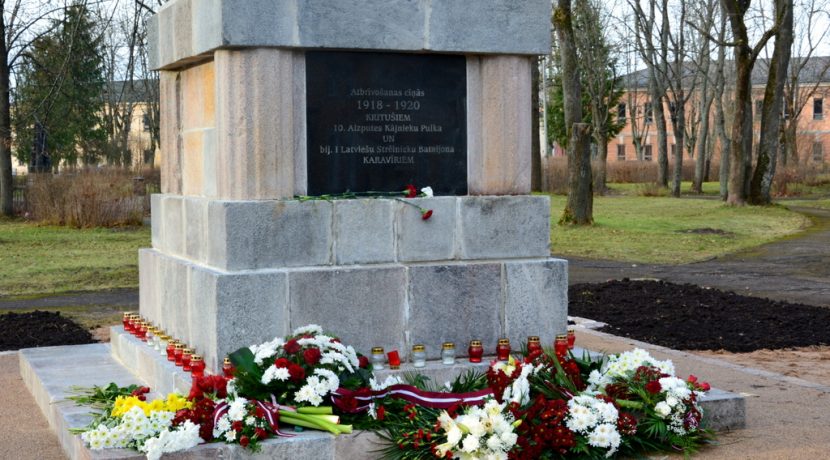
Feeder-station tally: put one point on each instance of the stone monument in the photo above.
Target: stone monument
(263, 101)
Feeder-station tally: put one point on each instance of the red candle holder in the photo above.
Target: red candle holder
(171, 350)
(533, 345)
(227, 368)
(126, 320)
(571, 339)
(475, 351)
(178, 354)
(503, 350)
(133, 322)
(142, 331)
(187, 355)
(394, 359)
(560, 345)
(197, 365)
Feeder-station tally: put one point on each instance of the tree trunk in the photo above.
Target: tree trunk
(741, 148)
(535, 147)
(6, 180)
(600, 138)
(579, 208)
(679, 138)
(662, 140)
(770, 115)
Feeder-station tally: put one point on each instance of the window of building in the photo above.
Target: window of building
(818, 152)
(648, 113)
(647, 153)
(818, 108)
(620, 152)
(621, 113)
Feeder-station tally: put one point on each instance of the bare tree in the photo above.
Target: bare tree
(699, 134)
(579, 207)
(771, 107)
(745, 57)
(655, 56)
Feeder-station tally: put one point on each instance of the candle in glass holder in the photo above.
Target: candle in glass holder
(187, 353)
(149, 337)
(533, 344)
(197, 366)
(503, 350)
(448, 353)
(419, 356)
(171, 350)
(378, 358)
(394, 359)
(227, 368)
(178, 354)
(475, 351)
(126, 320)
(142, 330)
(560, 345)
(162, 343)
(571, 339)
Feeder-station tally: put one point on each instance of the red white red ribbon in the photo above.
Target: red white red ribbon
(271, 411)
(342, 398)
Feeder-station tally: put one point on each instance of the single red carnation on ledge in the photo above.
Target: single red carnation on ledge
(411, 191)
(426, 214)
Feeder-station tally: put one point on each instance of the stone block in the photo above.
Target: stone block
(499, 128)
(421, 240)
(198, 94)
(171, 311)
(149, 284)
(366, 306)
(440, 373)
(195, 228)
(247, 235)
(250, 309)
(723, 410)
(489, 26)
(193, 162)
(173, 226)
(495, 227)
(170, 143)
(454, 303)
(358, 444)
(363, 231)
(474, 26)
(255, 134)
(536, 300)
(363, 24)
(156, 220)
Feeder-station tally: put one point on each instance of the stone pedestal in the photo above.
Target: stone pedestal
(236, 260)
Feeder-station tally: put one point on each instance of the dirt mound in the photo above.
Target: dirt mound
(689, 317)
(40, 329)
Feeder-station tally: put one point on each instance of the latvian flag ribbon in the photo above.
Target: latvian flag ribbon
(351, 401)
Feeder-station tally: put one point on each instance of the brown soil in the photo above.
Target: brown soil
(688, 317)
(40, 329)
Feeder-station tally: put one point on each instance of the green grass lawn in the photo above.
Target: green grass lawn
(657, 230)
(39, 260)
(822, 204)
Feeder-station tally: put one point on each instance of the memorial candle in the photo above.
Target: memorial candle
(171, 350)
(503, 350)
(126, 320)
(419, 356)
(394, 359)
(378, 358)
(227, 368)
(475, 351)
(571, 339)
(178, 354)
(560, 345)
(187, 353)
(448, 353)
(197, 365)
(533, 344)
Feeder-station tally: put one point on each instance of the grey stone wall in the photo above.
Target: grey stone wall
(227, 274)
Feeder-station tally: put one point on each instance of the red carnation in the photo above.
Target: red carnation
(363, 362)
(654, 387)
(236, 426)
(705, 386)
(260, 433)
(426, 214)
(311, 356)
(296, 372)
(692, 379)
(411, 191)
(281, 362)
(291, 346)
(381, 413)
(259, 412)
(244, 441)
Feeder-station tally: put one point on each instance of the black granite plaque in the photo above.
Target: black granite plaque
(380, 121)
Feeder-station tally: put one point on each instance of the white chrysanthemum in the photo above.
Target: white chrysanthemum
(184, 437)
(230, 436)
(494, 443)
(390, 380)
(236, 409)
(662, 409)
(311, 329)
(275, 373)
(470, 444)
(329, 379)
(222, 425)
(307, 394)
(454, 435)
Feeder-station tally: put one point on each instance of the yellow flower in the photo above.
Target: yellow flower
(172, 403)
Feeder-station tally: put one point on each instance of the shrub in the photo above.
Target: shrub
(85, 198)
